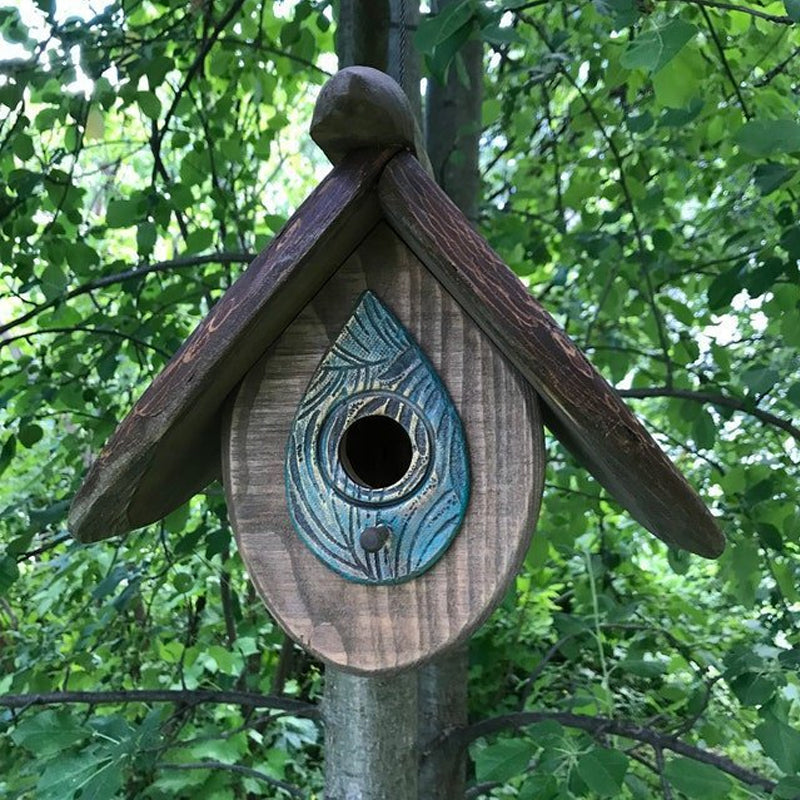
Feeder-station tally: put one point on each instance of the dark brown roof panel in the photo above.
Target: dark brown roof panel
(167, 448)
(581, 408)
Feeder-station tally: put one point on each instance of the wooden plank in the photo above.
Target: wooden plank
(581, 408)
(381, 628)
(167, 448)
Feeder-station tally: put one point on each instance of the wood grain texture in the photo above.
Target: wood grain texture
(363, 107)
(385, 628)
(580, 407)
(167, 448)
(375, 372)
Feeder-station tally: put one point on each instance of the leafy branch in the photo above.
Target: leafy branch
(780, 19)
(600, 727)
(238, 769)
(127, 275)
(190, 697)
(715, 399)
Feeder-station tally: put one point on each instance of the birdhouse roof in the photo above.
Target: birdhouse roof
(168, 447)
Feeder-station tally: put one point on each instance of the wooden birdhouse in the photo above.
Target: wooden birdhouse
(372, 392)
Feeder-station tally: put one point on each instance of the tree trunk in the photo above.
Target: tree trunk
(383, 734)
(371, 748)
(442, 688)
(454, 126)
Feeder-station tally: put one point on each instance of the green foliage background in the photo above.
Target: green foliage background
(640, 173)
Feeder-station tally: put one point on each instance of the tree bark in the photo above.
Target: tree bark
(371, 750)
(454, 126)
(442, 691)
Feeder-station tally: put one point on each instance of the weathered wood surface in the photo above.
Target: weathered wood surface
(580, 407)
(363, 107)
(370, 736)
(383, 628)
(375, 373)
(167, 448)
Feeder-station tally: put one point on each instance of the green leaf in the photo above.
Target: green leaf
(182, 581)
(746, 562)
(759, 380)
(603, 771)
(23, 146)
(784, 577)
(495, 34)
(439, 28)
(769, 137)
(655, 49)
(9, 572)
(157, 69)
(704, 430)
(696, 780)
(787, 788)
(199, 240)
(7, 453)
(503, 760)
(770, 536)
(105, 783)
(225, 660)
(793, 395)
(792, 9)
(80, 256)
(150, 104)
(30, 434)
(49, 732)
(121, 213)
(54, 281)
(790, 241)
(644, 668)
(538, 787)
(780, 742)
(624, 12)
(146, 235)
(65, 775)
(752, 689)
(676, 84)
(768, 177)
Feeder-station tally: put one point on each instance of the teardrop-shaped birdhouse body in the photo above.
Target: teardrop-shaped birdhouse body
(377, 474)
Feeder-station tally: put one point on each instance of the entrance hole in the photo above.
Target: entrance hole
(375, 451)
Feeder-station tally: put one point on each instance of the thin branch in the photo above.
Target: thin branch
(480, 789)
(725, 63)
(184, 696)
(51, 545)
(603, 726)
(88, 329)
(753, 12)
(778, 68)
(666, 789)
(158, 134)
(718, 400)
(240, 770)
(131, 274)
(629, 203)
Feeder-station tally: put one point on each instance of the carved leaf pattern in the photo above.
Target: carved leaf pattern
(374, 368)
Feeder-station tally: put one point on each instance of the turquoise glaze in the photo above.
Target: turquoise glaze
(341, 479)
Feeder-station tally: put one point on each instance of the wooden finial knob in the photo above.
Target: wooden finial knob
(363, 107)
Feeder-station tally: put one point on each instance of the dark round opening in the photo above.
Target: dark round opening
(375, 451)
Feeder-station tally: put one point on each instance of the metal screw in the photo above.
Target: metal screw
(375, 537)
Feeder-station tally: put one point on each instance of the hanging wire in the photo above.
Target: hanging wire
(403, 43)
